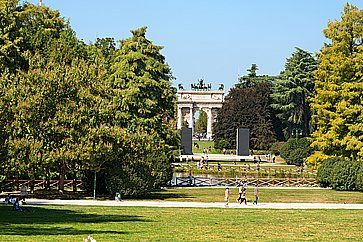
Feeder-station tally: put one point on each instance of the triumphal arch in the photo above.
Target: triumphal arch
(200, 97)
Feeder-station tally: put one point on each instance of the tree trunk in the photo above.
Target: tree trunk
(61, 178)
(32, 182)
(74, 181)
(17, 183)
(47, 180)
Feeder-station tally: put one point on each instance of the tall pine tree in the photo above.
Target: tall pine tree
(291, 93)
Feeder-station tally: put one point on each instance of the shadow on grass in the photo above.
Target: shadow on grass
(36, 231)
(50, 221)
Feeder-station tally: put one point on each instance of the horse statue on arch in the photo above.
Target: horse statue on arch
(221, 87)
(180, 87)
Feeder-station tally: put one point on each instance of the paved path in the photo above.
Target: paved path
(171, 204)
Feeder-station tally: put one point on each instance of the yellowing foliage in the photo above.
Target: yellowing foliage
(338, 104)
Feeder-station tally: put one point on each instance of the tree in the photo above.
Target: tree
(139, 72)
(246, 107)
(201, 123)
(51, 122)
(292, 91)
(103, 48)
(252, 78)
(338, 103)
(141, 101)
(24, 30)
(10, 38)
(39, 26)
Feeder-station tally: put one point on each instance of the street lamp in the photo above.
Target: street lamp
(296, 132)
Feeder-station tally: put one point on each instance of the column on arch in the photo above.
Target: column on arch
(180, 118)
(209, 122)
(191, 119)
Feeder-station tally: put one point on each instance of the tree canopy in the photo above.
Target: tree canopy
(68, 109)
(292, 91)
(338, 103)
(246, 107)
(201, 123)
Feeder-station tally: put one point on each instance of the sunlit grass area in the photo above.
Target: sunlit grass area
(204, 144)
(73, 223)
(285, 195)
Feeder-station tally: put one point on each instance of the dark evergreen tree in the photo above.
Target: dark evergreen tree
(252, 78)
(291, 93)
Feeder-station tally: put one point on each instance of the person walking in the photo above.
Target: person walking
(243, 196)
(226, 196)
(240, 191)
(255, 192)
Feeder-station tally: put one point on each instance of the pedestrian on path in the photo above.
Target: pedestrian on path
(243, 196)
(226, 196)
(255, 192)
(240, 191)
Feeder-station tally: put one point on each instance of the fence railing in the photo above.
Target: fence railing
(12, 184)
(262, 182)
(266, 171)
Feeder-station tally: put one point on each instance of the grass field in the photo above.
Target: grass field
(73, 223)
(205, 144)
(266, 195)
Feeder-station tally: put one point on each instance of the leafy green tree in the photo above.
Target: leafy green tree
(10, 38)
(201, 123)
(50, 129)
(104, 49)
(246, 107)
(292, 91)
(25, 29)
(39, 26)
(338, 104)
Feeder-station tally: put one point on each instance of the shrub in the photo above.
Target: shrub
(222, 144)
(325, 171)
(359, 181)
(294, 151)
(139, 164)
(341, 174)
(276, 147)
(344, 175)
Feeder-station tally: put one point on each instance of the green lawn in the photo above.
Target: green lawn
(205, 144)
(73, 223)
(266, 195)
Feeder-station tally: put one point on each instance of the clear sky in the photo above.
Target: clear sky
(211, 39)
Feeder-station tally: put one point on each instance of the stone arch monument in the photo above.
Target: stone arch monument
(200, 97)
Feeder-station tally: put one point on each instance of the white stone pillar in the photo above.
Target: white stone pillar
(191, 119)
(209, 123)
(180, 118)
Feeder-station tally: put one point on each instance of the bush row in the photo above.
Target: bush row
(341, 174)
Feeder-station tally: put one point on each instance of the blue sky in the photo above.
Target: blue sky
(210, 39)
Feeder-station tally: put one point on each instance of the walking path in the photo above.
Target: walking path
(170, 204)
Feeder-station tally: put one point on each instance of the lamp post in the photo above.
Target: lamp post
(296, 132)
